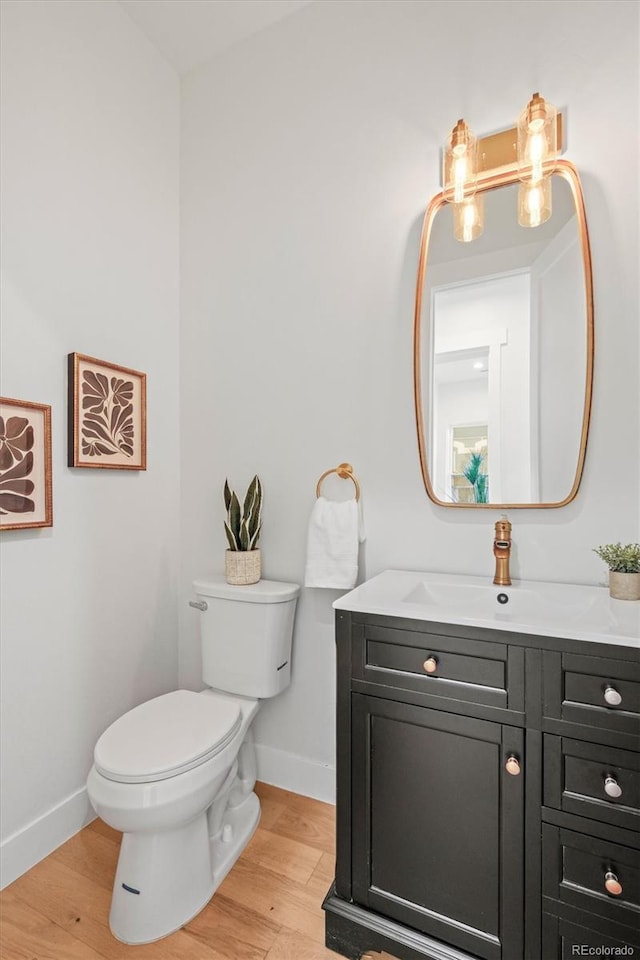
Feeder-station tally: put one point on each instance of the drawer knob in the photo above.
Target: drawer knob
(512, 766)
(612, 788)
(430, 665)
(611, 884)
(612, 697)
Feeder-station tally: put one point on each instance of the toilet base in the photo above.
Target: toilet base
(165, 879)
(239, 825)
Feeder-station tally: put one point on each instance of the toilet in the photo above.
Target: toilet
(176, 774)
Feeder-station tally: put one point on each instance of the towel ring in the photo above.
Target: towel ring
(345, 472)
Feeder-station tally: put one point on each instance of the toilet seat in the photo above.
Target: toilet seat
(166, 736)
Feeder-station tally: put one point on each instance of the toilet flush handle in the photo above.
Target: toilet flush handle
(199, 604)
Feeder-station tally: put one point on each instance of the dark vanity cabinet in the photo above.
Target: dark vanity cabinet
(488, 795)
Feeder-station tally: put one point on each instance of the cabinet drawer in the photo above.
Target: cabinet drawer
(472, 670)
(593, 781)
(564, 940)
(576, 868)
(594, 691)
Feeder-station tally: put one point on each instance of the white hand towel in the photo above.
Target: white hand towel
(335, 529)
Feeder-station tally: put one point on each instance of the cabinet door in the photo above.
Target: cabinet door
(437, 824)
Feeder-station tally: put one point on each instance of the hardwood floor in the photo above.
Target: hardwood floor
(267, 908)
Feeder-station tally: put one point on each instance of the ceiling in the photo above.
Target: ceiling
(190, 32)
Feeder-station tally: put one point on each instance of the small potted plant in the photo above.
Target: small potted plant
(624, 569)
(242, 527)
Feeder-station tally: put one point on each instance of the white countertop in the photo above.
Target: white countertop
(545, 609)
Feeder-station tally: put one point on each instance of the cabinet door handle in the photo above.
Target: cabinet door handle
(612, 788)
(430, 665)
(512, 766)
(612, 696)
(611, 884)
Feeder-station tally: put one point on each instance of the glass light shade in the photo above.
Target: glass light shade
(537, 140)
(460, 164)
(534, 202)
(468, 218)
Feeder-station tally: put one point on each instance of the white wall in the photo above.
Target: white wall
(495, 313)
(309, 154)
(457, 403)
(560, 308)
(90, 126)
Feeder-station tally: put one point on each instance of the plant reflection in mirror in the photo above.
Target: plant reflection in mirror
(478, 480)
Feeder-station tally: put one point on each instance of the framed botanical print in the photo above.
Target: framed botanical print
(107, 415)
(26, 498)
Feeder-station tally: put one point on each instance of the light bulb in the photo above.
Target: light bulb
(534, 203)
(537, 155)
(537, 140)
(468, 218)
(460, 164)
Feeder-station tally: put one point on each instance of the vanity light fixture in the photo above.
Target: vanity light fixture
(530, 149)
(537, 155)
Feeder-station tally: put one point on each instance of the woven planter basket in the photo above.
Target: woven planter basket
(242, 566)
(624, 586)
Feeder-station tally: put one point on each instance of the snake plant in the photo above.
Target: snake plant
(242, 527)
(478, 480)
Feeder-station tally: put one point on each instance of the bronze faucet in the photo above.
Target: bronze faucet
(502, 551)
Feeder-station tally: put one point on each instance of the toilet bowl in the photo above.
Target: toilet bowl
(176, 774)
(182, 832)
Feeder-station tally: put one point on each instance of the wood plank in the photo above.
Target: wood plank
(377, 956)
(284, 856)
(234, 929)
(308, 821)
(91, 855)
(25, 934)
(271, 895)
(325, 870)
(273, 802)
(295, 946)
(105, 830)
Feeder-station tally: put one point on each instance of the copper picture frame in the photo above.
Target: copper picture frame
(107, 409)
(26, 492)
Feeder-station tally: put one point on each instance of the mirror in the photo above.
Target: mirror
(503, 351)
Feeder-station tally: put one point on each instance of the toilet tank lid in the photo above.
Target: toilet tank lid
(265, 591)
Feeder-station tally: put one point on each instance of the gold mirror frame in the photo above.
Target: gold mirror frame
(505, 176)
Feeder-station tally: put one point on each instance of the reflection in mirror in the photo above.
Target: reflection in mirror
(504, 354)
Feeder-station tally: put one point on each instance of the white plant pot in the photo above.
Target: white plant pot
(624, 586)
(242, 566)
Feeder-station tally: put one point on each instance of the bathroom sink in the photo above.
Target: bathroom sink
(473, 600)
(534, 607)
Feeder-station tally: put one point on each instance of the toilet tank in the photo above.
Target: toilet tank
(246, 635)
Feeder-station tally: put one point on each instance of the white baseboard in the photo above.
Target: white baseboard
(23, 849)
(297, 774)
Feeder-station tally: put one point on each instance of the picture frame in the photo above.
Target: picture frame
(107, 411)
(26, 490)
